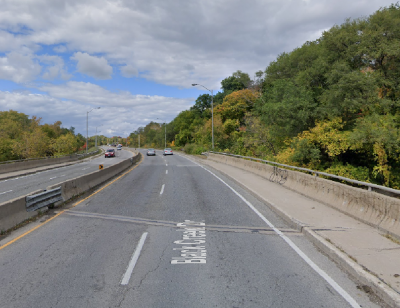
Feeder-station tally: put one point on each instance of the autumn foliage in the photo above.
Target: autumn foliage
(22, 137)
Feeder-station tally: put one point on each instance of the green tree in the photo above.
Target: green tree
(202, 106)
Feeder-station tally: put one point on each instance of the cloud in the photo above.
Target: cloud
(18, 67)
(93, 66)
(121, 113)
(160, 38)
(53, 68)
(129, 71)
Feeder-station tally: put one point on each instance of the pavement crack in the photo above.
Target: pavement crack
(153, 270)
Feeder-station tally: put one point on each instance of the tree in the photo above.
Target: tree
(238, 81)
(64, 145)
(288, 109)
(236, 105)
(202, 106)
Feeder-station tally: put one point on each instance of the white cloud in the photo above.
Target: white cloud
(18, 67)
(161, 38)
(93, 66)
(129, 71)
(120, 113)
(53, 67)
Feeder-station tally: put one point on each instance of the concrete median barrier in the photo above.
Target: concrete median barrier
(24, 165)
(36, 163)
(373, 208)
(76, 186)
(14, 211)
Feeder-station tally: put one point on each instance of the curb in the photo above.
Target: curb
(360, 274)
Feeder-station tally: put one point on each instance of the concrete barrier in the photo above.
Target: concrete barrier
(35, 163)
(378, 210)
(14, 211)
(76, 186)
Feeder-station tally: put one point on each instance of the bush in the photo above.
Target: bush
(192, 148)
(349, 171)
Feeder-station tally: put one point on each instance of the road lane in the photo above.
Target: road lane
(82, 255)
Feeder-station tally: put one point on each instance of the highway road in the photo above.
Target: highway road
(169, 233)
(22, 185)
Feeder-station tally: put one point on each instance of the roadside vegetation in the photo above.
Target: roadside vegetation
(22, 137)
(331, 105)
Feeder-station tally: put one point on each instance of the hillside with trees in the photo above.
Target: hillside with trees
(331, 105)
(22, 137)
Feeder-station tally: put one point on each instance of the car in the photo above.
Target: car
(109, 153)
(151, 152)
(168, 151)
(119, 147)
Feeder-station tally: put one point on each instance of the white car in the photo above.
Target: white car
(168, 151)
(119, 147)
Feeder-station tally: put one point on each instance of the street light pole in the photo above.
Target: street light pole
(96, 137)
(87, 127)
(212, 111)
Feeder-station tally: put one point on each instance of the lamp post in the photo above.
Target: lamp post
(87, 128)
(96, 136)
(212, 111)
(165, 134)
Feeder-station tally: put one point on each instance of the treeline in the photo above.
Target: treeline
(22, 137)
(332, 105)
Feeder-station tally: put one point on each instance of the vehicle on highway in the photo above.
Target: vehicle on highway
(151, 152)
(168, 151)
(109, 153)
(119, 147)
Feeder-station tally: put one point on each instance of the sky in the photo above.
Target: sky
(137, 59)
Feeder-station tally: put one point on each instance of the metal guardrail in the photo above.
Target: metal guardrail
(43, 199)
(316, 173)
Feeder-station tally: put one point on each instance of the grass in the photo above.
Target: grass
(392, 238)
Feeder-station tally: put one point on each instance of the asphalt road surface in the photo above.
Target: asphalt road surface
(170, 234)
(23, 185)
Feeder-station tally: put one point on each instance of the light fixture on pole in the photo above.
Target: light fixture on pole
(212, 111)
(87, 128)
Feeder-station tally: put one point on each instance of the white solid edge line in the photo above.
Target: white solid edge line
(162, 189)
(314, 266)
(132, 263)
(5, 192)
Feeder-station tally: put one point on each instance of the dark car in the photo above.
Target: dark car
(109, 153)
(151, 152)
